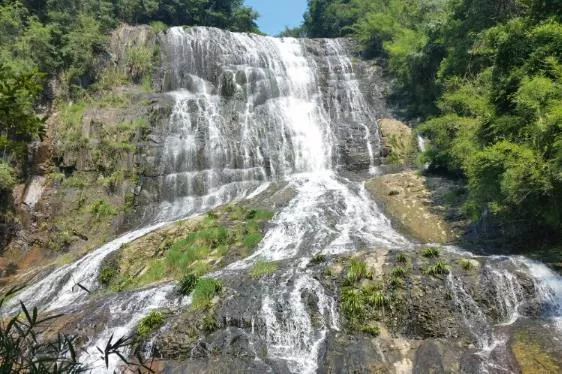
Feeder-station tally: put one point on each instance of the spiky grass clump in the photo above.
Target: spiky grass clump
(352, 302)
(438, 268)
(401, 258)
(431, 252)
(398, 272)
(187, 284)
(152, 322)
(377, 299)
(357, 271)
(204, 292)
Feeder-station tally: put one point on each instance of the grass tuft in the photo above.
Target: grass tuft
(357, 271)
(467, 264)
(439, 268)
(262, 268)
(152, 322)
(377, 299)
(398, 272)
(204, 291)
(187, 284)
(431, 252)
(401, 258)
(352, 302)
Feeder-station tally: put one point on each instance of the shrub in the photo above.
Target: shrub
(262, 268)
(187, 284)
(7, 177)
(431, 252)
(22, 352)
(204, 292)
(152, 322)
(158, 26)
(101, 209)
(106, 275)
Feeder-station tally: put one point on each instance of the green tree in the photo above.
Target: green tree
(18, 122)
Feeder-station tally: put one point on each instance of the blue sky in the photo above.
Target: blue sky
(276, 14)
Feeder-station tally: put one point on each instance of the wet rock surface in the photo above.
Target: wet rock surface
(428, 208)
(423, 327)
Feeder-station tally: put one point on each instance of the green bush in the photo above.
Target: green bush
(158, 26)
(262, 268)
(7, 177)
(101, 209)
(150, 323)
(106, 275)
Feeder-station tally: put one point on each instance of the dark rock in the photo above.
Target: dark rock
(428, 360)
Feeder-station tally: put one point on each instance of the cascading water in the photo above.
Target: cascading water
(248, 110)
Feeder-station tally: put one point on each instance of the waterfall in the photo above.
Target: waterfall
(249, 110)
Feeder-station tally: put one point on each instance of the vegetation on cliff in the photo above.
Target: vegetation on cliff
(486, 77)
(187, 250)
(66, 39)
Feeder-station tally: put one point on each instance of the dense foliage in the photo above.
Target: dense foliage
(486, 77)
(40, 40)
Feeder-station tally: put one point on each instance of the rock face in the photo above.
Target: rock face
(428, 208)
(398, 141)
(428, 323)
(246, 111)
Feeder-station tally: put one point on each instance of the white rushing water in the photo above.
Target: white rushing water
(249, 110)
